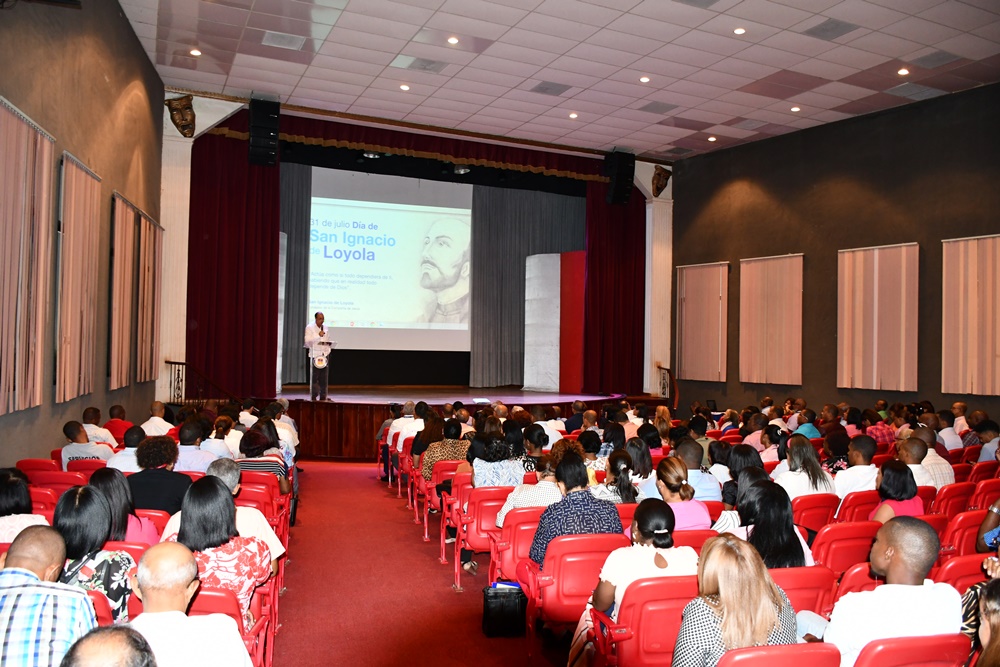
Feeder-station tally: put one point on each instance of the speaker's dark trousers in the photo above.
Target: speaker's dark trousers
(320, 380)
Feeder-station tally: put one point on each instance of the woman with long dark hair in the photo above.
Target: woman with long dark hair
(15, 506)
(126, 525)
(613, 437)
(643, 475)
(805, 475)
(617, 486)
(740, 457)
(535, 440)
(766, 517)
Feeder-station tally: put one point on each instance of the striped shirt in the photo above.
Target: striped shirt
(271, 463)
(40, 620)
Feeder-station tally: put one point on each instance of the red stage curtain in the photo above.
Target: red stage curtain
(615, 294)
(232, 293)
(314, 132)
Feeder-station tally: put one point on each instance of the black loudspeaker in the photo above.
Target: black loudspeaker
(620, 168)
(264, 118)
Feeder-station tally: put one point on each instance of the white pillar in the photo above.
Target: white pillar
(175, 197)
(659, 282)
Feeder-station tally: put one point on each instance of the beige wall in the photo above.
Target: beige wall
(83, 76)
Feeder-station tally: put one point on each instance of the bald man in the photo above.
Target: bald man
(110, 646)
(156, 424)
(166, 580)
(445, 270)
(907, 605)
(936, 466)
(912, 452)
(39, 617)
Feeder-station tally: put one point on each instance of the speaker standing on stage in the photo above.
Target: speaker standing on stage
(318, 342)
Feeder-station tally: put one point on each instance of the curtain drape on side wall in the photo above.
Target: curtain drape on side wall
(615, 293)
(507, 226)
(702, 321)
(125, 218)
(150, 284)
(76, 332)
(296, 195)
(770, 324)
(26, 187)
(232, 296)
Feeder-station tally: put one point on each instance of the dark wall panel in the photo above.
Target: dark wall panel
(923, 173)
(83, 76)
(398, 367)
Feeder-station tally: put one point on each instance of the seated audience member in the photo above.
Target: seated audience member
(395, 412)
(110, 646)
(579, 512)
(652, 554)
(575, 421)
(718, 459)
(648, 434)
(738, 606)
(117, 424)
(156, 486)
(536, 439)
(433, 431)
(287, 433)
(730, 420)
(83, 518)
(221, 442)
(958, 410)
(906, 605)
(513, 433)
(126, 525)
(755, 427)
(912, 452)
(705, 485)
(541, 494)
(805, 476)
(770, 439)
(190, 456)
(248, 413)
(806, 426)
(449, 448)
(250, 521)
(861, 473)
(617, 487)
(795, 417)
(125, 459)
(643, 475)
(592, 447)
(777, 418)
(698, 426)
(281, 447)
(853, 422)
(589, 421)
(946, 434)
(729, 519)
(156, 424)
(829, 419)
(673, 486)
(260, 455)
(937, 466)
(971, 438)
(613, 438)
(79, 447)
(835, 448)
(95, 433)
(989, 434)
(766, 522)
(740, 457)
(225, 558)
(15, 507)
(496, 468)
(898, 492)
(875, 428)
(554, 428)
(166, 580)
(39, 617)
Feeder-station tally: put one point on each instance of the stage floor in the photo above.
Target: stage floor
(372, 395)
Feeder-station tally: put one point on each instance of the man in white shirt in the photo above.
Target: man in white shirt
(285, 419)
(80, 447)
(125, 459)
(156, 424)
(958, 409)
(191, 457)
(96, 433)
(907, 605)
(989, 434)
(317, 341)
(705, 485)
(286, 433)
(462, 415)
(777, 419)
(938, 468)
(165, 581)
(247, 416)
(947, 435)
(861, 474)
(406, 425)
(912, 453)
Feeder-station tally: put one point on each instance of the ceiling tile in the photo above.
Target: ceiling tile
(373, 25)
(886, 45)
(631, 88)
(486, 11)
(729, 131)
(391, 11)
(961, 15)
(743, 68)
(710, 42)
(488, 76)
(297, 10)
(824, 68)
(522, 70)
(990, 32)
(673, 12)
(819, 100)
(724, 24)
(559, 27)
(864, 14)
(920, 30)
(724, 108)
(851, 57)
(602, 54)
(519, 54)
(583, 12)
(466, 26)
(478, 87)
(365, 40)
(537, 40)
(686, 55)
(575, 79)
(843, 91)
(288, 26)
(794, 42)
(624, 42)
(642, 26)
(664, 68)
(721, 79)
(811, 5)
(703, 90)
(355, 53)
(589, 68)
(765, 55)
(347, 65)
(340, 76)
(769, 13)
(875, 102)
(970, 46)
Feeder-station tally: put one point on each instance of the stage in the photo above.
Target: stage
(344, 426)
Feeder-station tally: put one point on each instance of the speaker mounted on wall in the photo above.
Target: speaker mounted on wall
(619, 166)
(265, 116)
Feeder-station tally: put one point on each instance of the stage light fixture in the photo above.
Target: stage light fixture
(461, 169)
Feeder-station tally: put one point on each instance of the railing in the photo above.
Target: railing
(668, 386)
(190, 384)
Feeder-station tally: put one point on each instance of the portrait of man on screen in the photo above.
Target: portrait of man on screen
(445, 269)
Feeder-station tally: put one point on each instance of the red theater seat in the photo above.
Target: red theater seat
(936, 651)
(793, 655)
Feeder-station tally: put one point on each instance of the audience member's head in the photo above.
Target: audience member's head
(756, 422)
(561, 447)
(649, 435)
(653, 523)
(987, 430)
(614, 434)
(698, 425)
(408, 408)
(869, 418)
(802, 457)
(420, 409)
(91, 415)
(946, 418)
(743, 456)
(208, 515)
(861, 450)
(116, 412)
(189, 433)
(905, 550)
(718, 452)
(672, 480)
(134, 437)
(836, 443)
(930, 420)
(764, 507)
(110, 646)
(226, 470)
(83, 518)
(912, 451)
(545, 468)
(14, 495)
(770, 435)
(571, 472)
(853, 417)
(578, 407)
(618, 470)
(589, 419)
(895, 481)
(156, 409)
(452, 429)
(75, 432)
(157, 452)
(975, 417)
(111, 482)
(167, 578)
(807, 416)
(254, 443)
(38, 549)
(689, 452)
(590, 441)
(642, 462)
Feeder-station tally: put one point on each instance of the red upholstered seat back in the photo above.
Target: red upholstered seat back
(570, 572)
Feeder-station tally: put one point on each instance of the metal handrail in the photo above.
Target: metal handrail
(180, 391)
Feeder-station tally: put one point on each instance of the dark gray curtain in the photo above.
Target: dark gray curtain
(507, 226)
(296, 196)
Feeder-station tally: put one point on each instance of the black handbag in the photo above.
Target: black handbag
(504, 611)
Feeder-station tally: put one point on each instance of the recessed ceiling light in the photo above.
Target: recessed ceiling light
(573, 115)
(644, 79)
(195, 52)
(453, 40)
(461, 169)
(711, 138)
(903, 71)
(740, 31)
(796, 109)
(404, 87)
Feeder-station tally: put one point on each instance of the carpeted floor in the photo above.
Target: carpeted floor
(365, 589)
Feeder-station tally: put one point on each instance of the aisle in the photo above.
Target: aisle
(365, 589)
